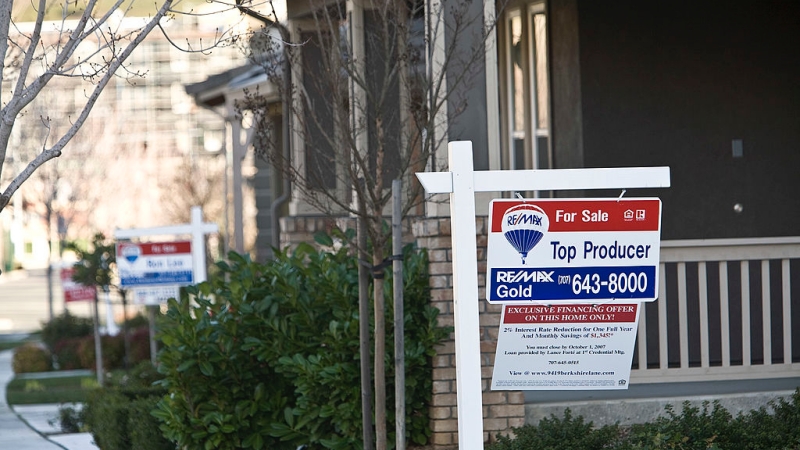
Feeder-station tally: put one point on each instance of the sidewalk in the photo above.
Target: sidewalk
(27, 428)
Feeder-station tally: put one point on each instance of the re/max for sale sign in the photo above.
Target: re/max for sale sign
(573, 250)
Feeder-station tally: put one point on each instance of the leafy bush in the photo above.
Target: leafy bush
(693, 428)
(140, 345)
(31, 358)
(558, 434)
(107, 418)
(709, 427)
(143, 426)
(282, 339)
(65, 326)
(66, 355)
(119, 415)
(764, 429)
(113, 352)
(142, 377)
(72, 420)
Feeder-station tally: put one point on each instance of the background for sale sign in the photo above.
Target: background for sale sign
(74, 291)
(573, 250)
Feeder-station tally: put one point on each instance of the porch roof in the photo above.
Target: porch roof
(213, 90)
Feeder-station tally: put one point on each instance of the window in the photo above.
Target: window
(526, 88)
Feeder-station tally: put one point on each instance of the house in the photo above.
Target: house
(707, 89)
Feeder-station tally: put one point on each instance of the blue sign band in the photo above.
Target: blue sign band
(158, 278)
(572, 283)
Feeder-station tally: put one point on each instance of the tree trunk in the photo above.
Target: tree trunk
(363, 335)
(380, 351)
(98, 347)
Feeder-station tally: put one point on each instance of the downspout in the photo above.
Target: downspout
(286, 111)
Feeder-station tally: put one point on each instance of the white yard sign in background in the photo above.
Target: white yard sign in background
(155, 263)
(166, 265)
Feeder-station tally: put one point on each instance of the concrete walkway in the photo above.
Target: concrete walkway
(27, 427)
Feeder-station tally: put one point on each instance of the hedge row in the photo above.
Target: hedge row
(119, 415)
(79, 353)
(68, 344)
(708, 427)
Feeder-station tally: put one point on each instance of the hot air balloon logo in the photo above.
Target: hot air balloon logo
(130, 252)
(524, 226)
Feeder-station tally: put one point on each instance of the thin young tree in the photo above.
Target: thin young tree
(373, 84)
(42, 42)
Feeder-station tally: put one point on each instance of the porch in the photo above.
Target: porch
(724, 328)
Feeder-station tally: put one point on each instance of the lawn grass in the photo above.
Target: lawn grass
(71, 389)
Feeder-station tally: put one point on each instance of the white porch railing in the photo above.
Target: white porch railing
(724, 312)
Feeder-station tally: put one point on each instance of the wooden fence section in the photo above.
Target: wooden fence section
(725, 311)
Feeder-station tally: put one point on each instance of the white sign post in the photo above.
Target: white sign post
(462, 182)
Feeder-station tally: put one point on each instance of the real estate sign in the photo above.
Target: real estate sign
(573, 250)
(74, 291)
(154, 263)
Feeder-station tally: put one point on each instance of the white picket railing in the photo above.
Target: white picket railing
(718, 329)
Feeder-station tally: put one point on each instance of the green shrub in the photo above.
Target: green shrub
(113, 352)
(140, 345)
(66, 356)
(65, 326)
(555, 433)
(139, 381)
(107, 418)
(119, 416)
(282, 339)
(30, 358)
(693, 428)
(144, 427)
(708, 427)
(778, 428)
(72, 420)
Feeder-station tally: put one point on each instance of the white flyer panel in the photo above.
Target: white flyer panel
(573, 251)
(565, 347)
(155, 295)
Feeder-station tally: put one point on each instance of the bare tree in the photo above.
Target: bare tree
(86, 39)
(373, 86)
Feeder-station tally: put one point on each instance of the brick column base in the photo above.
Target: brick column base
(502, 410)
